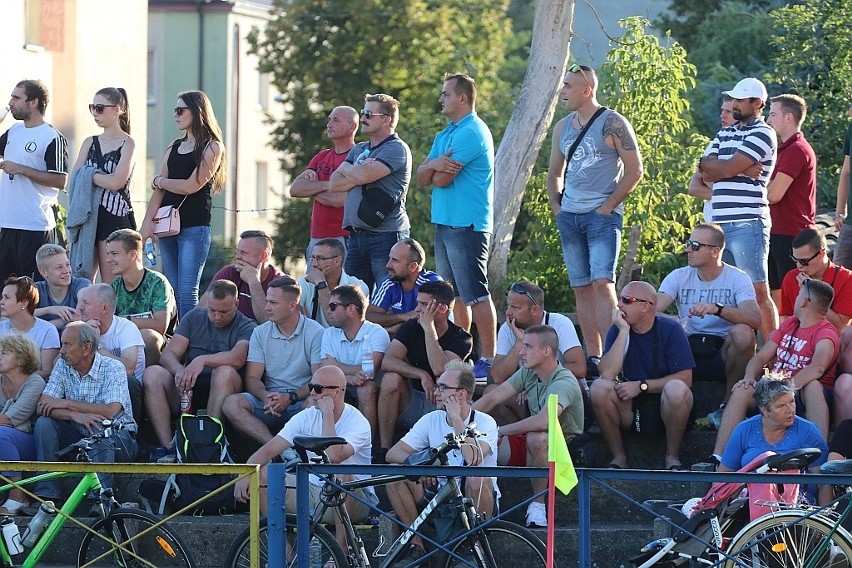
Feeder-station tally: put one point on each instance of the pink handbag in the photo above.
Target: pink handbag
(166, 223)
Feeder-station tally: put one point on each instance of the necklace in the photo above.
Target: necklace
(580, 124)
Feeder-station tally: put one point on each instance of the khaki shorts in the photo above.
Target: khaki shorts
(358, 510)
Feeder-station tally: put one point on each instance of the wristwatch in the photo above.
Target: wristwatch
(294, 398)
(719, 309)
(643, 385)
(322, 285)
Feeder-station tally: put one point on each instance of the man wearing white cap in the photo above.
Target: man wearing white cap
(739, 164)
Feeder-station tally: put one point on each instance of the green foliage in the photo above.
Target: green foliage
(291, 231)
(647, 82)
(814, 60)
(325, 53)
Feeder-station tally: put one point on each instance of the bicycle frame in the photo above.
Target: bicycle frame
(89, 482)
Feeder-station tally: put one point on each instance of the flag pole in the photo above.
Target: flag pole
(551, 508)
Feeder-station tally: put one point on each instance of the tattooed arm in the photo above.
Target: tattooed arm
(619, 134)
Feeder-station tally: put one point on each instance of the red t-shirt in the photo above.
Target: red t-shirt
(326, 222)
(838, 277)
(244, 296)
(797, 209)
(796, 346)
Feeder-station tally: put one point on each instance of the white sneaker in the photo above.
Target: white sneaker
(537, 515)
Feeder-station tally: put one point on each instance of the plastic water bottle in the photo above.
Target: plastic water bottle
(150, 253)
(37, 525)
(12, 536)
(186, 402)
(315, 553)
(3, 112)
(367, 363)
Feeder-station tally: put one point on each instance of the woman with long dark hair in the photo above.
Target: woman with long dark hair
(112, 153)
(193, 169)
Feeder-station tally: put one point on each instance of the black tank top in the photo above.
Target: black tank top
(195, 211)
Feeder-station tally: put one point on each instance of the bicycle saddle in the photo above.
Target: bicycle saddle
(317, 444)
(841, 467)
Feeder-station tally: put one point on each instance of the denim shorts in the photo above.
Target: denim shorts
(590, 245)
(747, 247)
(461, 257)
(274, 423)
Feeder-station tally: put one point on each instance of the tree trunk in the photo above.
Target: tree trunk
(530, 122)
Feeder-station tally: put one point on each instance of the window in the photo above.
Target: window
(153, 73)
(263, 91)
(261, 188)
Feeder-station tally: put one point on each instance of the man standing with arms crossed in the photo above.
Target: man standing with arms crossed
(597, 177)
(327, 212)
(33, 161)
(460, 167)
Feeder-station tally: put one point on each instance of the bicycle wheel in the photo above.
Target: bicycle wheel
(157, 547)
(793, 546)
(499, 545)
(330, 551)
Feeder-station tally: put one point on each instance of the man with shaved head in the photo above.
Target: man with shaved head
(646, 375)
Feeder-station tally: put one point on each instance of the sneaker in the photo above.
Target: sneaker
(161, 454)
(481, 368)
(592, 372)
(715, 417)
(12, 508)
(537, 515)
(413, 553)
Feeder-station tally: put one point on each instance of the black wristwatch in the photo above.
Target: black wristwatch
(294, 398)
(643, 385)
(322, 285)
(719, 309)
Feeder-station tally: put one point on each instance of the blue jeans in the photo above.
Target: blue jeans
(53, 435)
(590, 245)
(184, 256)
(367, 257)
(461, 257)
(747, 247)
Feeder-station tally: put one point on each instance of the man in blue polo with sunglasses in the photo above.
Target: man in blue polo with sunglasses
(595, 158)
(717, 309)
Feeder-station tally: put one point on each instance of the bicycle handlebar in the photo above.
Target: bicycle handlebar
(83, 445)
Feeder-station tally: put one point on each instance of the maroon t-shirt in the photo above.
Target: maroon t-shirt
(326, 221)
(244, 298)
(797, 209)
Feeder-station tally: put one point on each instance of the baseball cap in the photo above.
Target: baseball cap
(748, 88)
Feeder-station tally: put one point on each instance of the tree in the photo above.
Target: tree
(528, 126)
(685, 18)
(814, 60)
(324, 53)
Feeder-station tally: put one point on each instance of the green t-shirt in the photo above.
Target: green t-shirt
(564, 385)
(154, 294)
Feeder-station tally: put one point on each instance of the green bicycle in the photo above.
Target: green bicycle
(120, 536)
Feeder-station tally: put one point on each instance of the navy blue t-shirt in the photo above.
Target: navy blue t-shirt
(673, 347)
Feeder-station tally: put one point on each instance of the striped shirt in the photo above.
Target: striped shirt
(741, 198)
(391, 297)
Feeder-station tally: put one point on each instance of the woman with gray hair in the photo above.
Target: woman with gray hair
(776, 428)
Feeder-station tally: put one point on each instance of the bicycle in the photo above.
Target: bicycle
(120, 536)
(484, 544)
(701, 538)
(800, 537)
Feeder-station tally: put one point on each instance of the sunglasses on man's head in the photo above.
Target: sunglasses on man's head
(319, 388)
(581, 69)
(519, 288)
(806, 261)
(99, 108)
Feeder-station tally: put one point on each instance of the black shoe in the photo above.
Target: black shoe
(592, 367)
(412, 554)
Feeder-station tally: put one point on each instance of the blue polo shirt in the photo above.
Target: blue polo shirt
(468, 200)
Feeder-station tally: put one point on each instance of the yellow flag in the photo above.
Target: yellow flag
(565, 478)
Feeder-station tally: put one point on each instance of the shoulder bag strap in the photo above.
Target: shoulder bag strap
(579, 138)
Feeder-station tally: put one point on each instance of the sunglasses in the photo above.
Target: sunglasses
(627, 300)
(319, 388)
(441, 387)
(806, 261)
(581, 69)
(333, 305)
(99, 109)
(370, 114)
(519, 288)
(179, 110)
(696, 245)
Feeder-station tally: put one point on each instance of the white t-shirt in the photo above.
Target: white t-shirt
(306, 300)
(432, 429)
(42, 333)
(565, 331)
(371, 338)
(351, 425)
(121, 335)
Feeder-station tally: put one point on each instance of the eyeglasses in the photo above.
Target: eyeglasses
(179, 110)
(696, 245)
(99, 109)
(370, 114)
(441, 387)
(627, 300)
(322, 258)
(806, 261)
(520, 288)
(581, 69)
(333, 305)
(319, 388)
